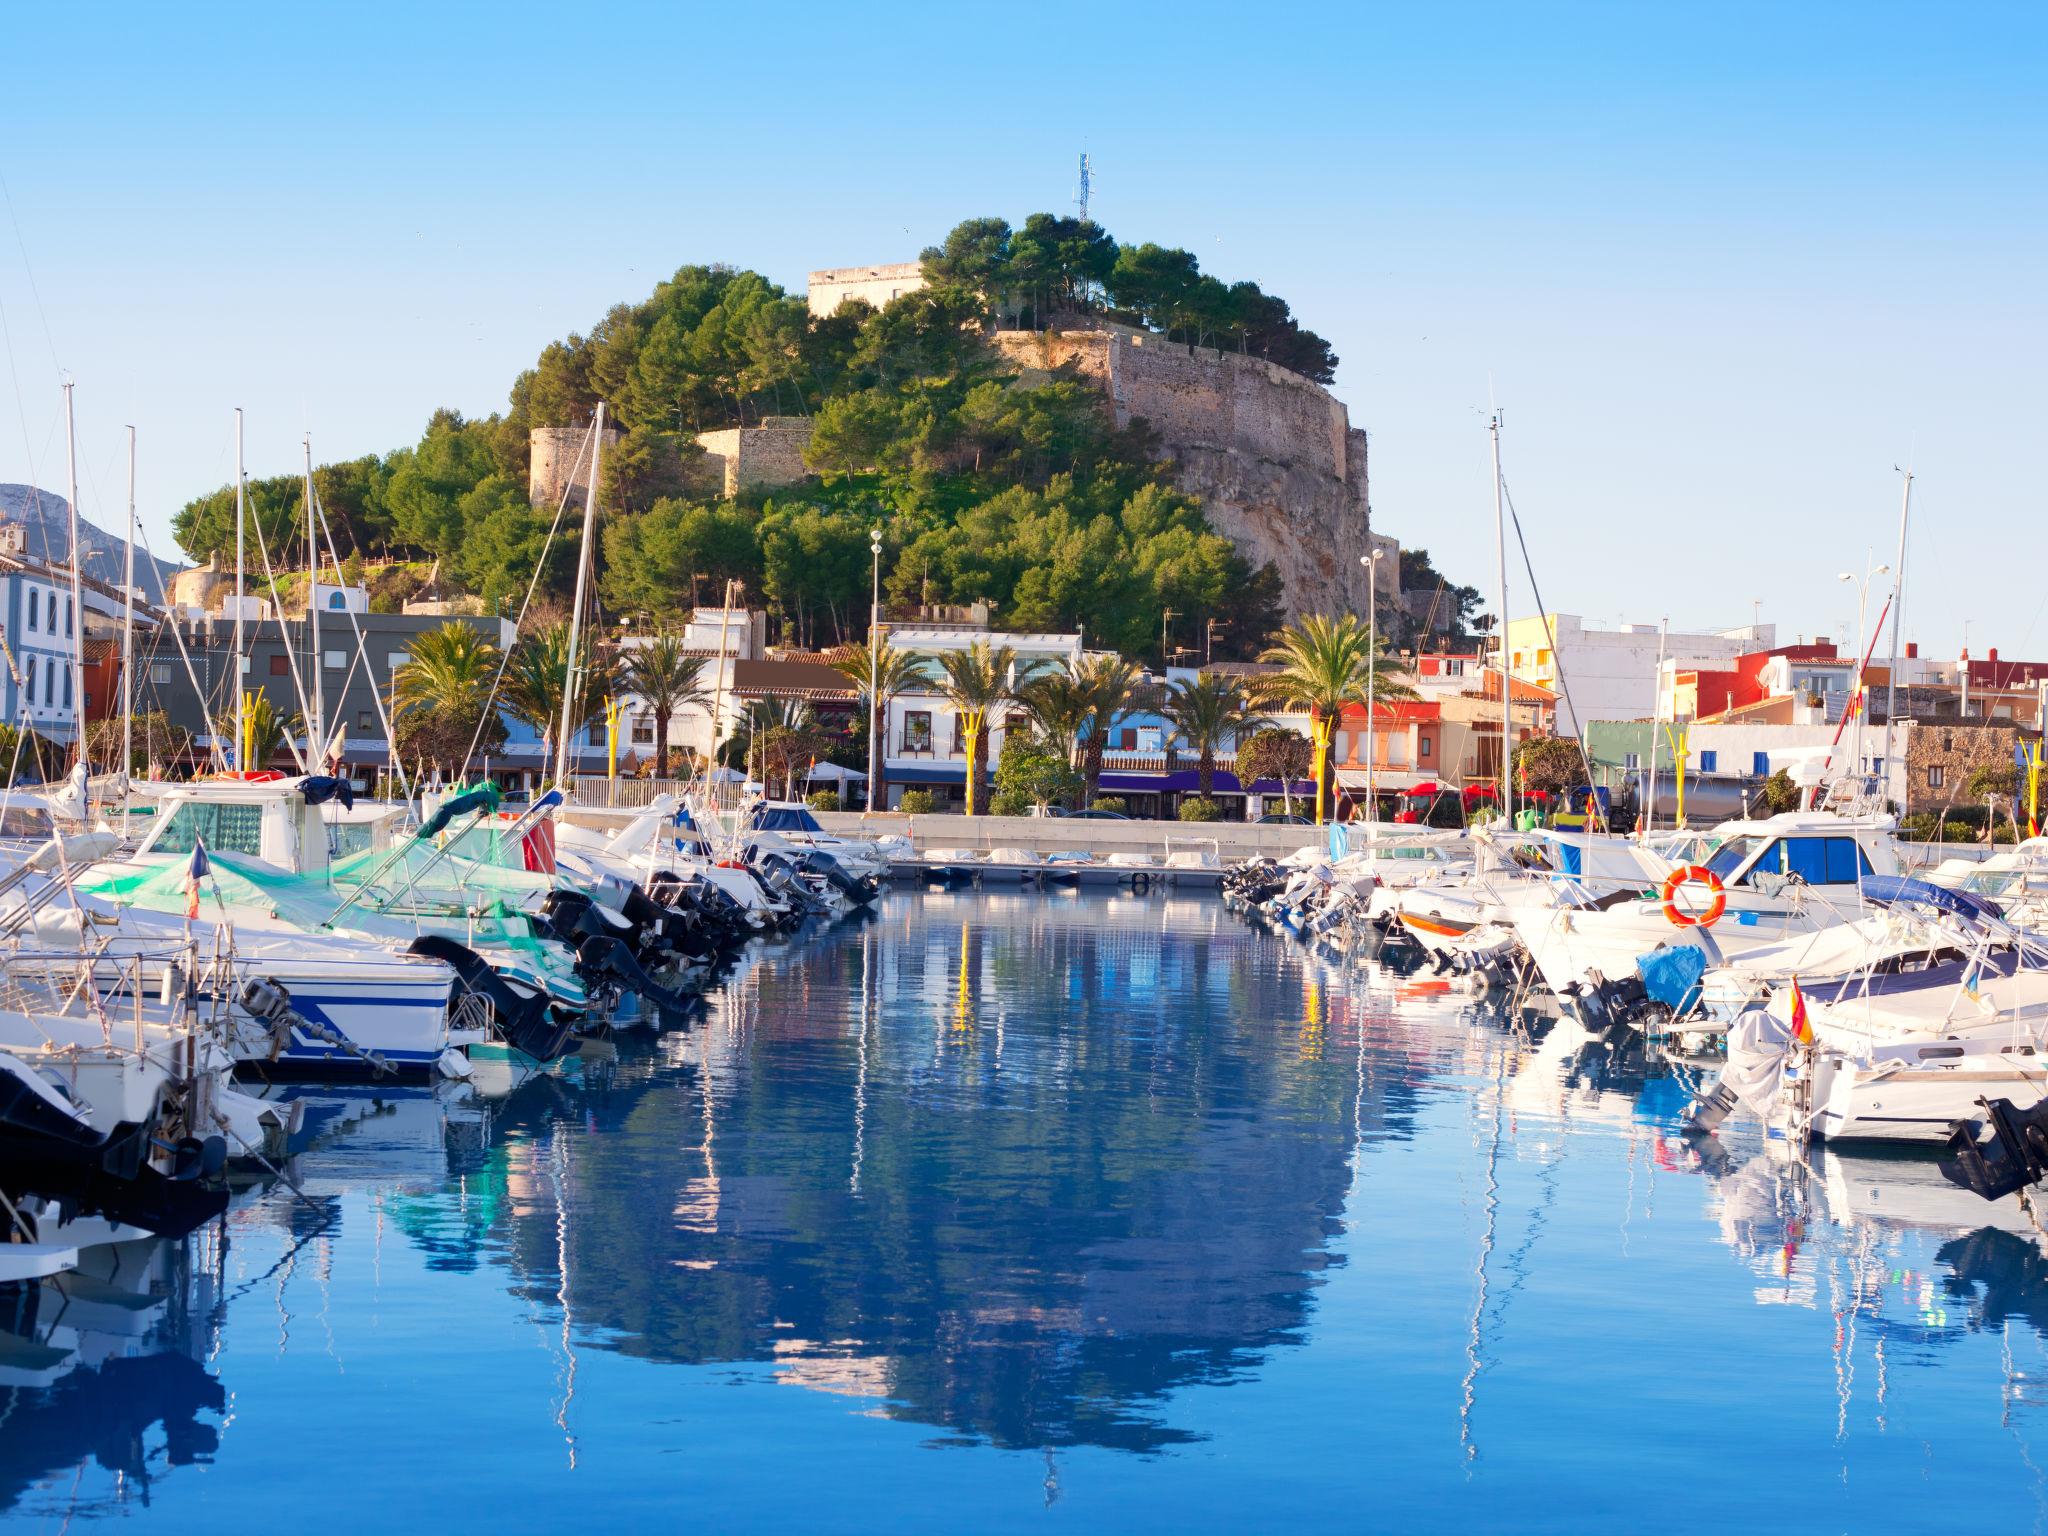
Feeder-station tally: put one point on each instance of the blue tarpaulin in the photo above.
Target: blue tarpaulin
(1671, 975)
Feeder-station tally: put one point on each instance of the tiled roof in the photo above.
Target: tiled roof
(790, 680)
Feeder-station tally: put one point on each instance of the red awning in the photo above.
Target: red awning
(1481, 792)
(1422, 789)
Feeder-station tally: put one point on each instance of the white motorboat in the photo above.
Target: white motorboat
(1766, 881)
(1898, 1054)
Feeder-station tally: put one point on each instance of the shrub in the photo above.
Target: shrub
(1200, 810)
(916, 802)
(1107, 803)
(1009, 802)
(822, 800)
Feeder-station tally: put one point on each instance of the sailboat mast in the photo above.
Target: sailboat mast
(316, 736)
(77, 614)
(1500, 554)
(239, 681)
(1891, 697)
(582, 582)
(128, 635)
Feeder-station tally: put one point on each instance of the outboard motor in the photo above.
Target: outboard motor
(525, 1019)
(1759, 1047)
(2001, 1154)
(602, 957)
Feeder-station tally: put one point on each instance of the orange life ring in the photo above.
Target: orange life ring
(1700, 874)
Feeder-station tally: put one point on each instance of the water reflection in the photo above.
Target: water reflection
(1011, 1174)
(1018, 1169)
(104, 1369)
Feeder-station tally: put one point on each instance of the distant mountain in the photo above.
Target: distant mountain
(47, 517)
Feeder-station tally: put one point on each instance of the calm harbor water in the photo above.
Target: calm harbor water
(1016, 1212)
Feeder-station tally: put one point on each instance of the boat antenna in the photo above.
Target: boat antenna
(1891, 695)
(1500, 552)
(76, 617)
(237, 680)
(316, 737)
(582, 585)
(128, 641)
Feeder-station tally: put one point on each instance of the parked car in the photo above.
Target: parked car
(1282, 821)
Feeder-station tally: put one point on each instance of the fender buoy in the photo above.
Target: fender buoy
(1688, 874)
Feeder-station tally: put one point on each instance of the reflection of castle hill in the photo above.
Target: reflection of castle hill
(899, 1186)
(104, 1365)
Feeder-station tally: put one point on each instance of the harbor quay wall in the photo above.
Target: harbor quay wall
(1273, 455)
(1230, 840)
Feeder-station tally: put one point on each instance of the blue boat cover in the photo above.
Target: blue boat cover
(1671, 975)
(1886, 890)
(320, 788)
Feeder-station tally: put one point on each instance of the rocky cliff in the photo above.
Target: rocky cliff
(1274, 457)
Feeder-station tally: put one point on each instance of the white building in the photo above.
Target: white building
(924, 744)
(737, 634)
(1612, 674)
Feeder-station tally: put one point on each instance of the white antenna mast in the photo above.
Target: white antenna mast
(1086, 188)
(77, 614)
(240, 682)
(316, 736)
(128, 641)
(576, 612)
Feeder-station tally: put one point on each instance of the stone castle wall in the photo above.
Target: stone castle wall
(833, 286)
(744, 458)
(559, 462)
(1279, 467)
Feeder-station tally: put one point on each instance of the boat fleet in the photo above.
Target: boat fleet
(262, 929)
(1836, 992)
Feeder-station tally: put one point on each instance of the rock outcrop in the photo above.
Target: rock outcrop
(1279, 467)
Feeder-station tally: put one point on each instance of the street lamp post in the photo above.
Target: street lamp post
(1372, 678)
(874, 670)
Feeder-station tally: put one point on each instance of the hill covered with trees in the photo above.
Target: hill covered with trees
(1028, 498)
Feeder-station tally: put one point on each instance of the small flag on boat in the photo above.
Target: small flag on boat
(195, 872)
(1802, 1027)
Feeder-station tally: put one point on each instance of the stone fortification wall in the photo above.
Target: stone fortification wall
(559, 461)
(833, 286)
(1279, 467)
(766, 456)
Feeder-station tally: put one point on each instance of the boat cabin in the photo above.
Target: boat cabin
(269, 821)
(1831, 854)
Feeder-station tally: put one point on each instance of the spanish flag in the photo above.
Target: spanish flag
(195, 871)
(1802, 1027)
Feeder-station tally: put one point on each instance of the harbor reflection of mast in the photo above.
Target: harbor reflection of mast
(860, 1080)
(1469, 1388)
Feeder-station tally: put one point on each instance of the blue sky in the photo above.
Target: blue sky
(1723, 266)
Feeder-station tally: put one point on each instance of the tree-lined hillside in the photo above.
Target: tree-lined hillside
(1029, 499)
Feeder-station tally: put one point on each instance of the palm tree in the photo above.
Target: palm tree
(1205, 712)
(668, 678)
(266, 730)
(1106, 681)
(1058, 705)
(536, 677)
(974, 681)
(440, 692)
(889, 672)
(1324, 665)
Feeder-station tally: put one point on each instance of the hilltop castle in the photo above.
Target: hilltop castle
(1273, 456)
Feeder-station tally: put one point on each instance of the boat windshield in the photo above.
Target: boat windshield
(225, 828)
(1732, 855)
